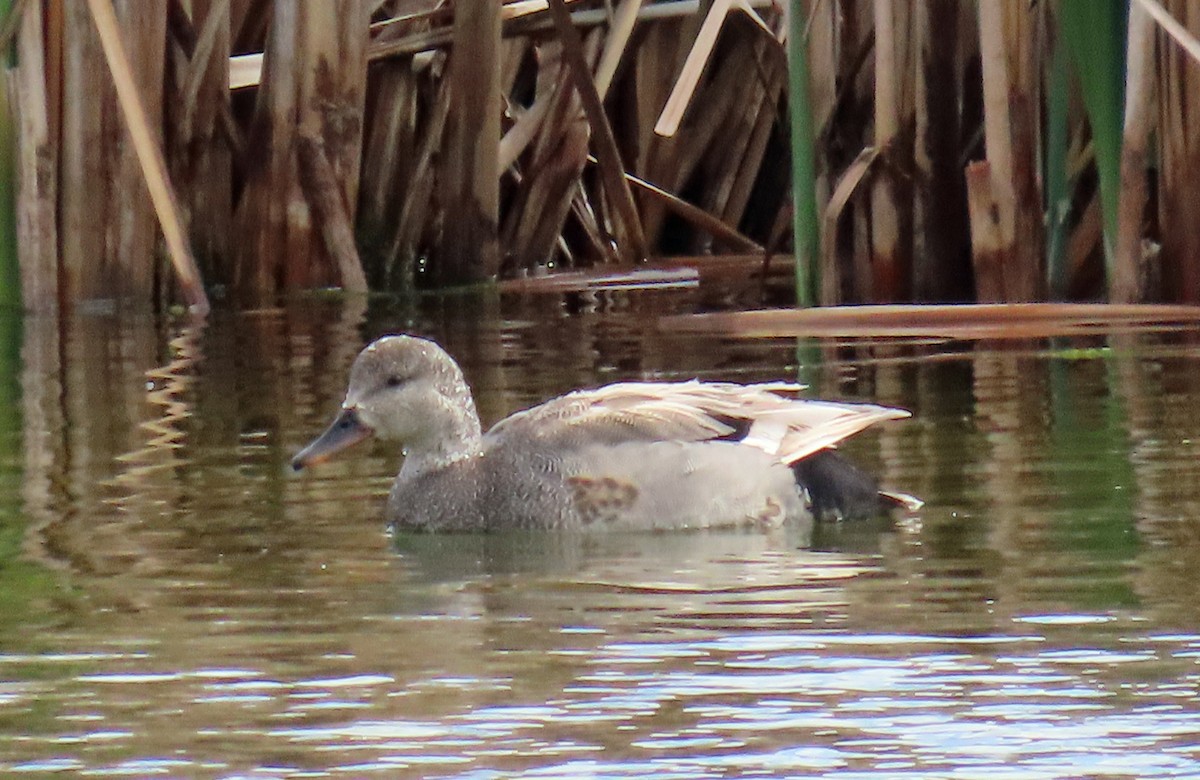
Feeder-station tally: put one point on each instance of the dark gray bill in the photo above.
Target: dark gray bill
(346, 430)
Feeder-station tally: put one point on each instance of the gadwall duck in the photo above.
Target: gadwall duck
(636, 455)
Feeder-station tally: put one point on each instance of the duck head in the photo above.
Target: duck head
(404, 389)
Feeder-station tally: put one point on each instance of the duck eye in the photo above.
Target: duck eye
(394, 381)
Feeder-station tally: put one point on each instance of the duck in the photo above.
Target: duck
(630, 456)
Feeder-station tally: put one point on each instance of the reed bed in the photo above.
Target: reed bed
(943, 152)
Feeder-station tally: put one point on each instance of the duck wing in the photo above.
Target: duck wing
(765, 416)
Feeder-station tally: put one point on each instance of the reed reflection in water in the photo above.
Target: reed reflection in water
(178, 604)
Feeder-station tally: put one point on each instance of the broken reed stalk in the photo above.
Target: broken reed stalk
(614, 47)
(696, 215)
(631, 238)
(400, 255)
(845, 189)
(149, 156)
(548, 175)
(324, 193)
(689, 76)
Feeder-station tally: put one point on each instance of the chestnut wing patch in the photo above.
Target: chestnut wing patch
(601, 499)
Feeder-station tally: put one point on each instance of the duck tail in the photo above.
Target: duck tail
(838, 489)
(901, 500)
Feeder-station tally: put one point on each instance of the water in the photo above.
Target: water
(175, 603)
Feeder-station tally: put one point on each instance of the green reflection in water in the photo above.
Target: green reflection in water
(1092, 479)
(24, 585)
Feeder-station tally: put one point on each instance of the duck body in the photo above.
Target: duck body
(633, 456)
(609, 488)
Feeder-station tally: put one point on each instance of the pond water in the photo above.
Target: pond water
(175, 602)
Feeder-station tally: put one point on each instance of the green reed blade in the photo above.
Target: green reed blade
(1095, 32)
(1058, 189)
(806, 225)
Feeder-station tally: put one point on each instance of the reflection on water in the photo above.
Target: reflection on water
(178, 604)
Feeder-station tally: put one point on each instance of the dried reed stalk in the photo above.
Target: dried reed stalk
(37, 223)
(260, 216)
(85, 193)
(1004, 320)
(470, 176)
(400, 256)
(762, 118)
(1127, 285)
(614, 46)
(1178, 208)
(941, 229)
(391, 134)
(203, 139)
(714, 226)
(847, 185)
(313, 87)
(153, 167)
(1010, 195)
(547, 182)
(891, 196)
(631, 238)
(673, 162)
(702, 47)
(326, 196)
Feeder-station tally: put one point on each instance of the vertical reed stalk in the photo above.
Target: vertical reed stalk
(200, 147)
(941, 231)
(1058, 193)
(85, 193)
(1006, 207)
(890, 215)
(143, 32)
(806, 225)
(37, 219)
(10, 275)
(470, 185)
(332, 92)
(995, 214)
(1128, 279)
(1179, 208)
